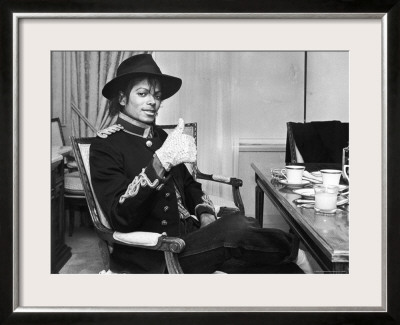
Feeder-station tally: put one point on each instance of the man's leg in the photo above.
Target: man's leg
(240, 238)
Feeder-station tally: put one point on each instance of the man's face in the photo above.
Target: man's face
(143, 102)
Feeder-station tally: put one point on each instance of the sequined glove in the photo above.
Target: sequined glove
(178, 148)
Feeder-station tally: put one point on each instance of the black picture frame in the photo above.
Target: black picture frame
(8, 181)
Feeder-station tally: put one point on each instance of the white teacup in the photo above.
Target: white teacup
(331, 176)
(293, 174)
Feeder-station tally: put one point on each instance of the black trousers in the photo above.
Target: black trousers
(237, 244)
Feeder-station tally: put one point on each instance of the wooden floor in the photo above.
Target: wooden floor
(86, 257)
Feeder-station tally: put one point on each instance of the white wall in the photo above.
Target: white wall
(268, 90)
(328, 86)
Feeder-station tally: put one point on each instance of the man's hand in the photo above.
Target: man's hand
(178, 148)
(206, 219)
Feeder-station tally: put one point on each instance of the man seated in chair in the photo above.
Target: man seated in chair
(142, 184)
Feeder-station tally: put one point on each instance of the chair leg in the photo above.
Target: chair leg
(71, 220)
(85, 215)
(105, 254)
(259, 205)
(172, 262)
(82, 217)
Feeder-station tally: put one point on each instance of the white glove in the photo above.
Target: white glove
(178, 148)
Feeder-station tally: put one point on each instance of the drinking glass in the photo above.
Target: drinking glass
(325, 198)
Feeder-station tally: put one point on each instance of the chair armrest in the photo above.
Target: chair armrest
(150, 240)
(171, 246)
(139, 238)
(72, 164)
(236, 182)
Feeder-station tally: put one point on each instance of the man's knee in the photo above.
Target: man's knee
(237, 227)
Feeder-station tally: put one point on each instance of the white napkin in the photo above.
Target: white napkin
(309, 177)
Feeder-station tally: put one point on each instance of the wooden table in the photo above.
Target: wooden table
(326, 236)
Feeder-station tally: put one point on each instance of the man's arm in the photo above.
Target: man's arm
(125, 201)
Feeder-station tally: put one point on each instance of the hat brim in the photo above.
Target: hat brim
(169, 84)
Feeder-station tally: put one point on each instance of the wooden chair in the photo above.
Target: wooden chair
(74, 196)
(74, 199)
(235, 183)
(147, 240)
(319, 142)
(170, 245)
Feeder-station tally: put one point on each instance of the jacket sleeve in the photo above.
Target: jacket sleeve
(125, 201)
(197, 201)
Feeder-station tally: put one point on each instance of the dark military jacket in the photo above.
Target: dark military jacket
(135, 198)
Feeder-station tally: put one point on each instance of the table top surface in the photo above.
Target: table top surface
(329, 231)
(58, 152)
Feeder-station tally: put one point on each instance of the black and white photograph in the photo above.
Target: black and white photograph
(175, 167)
(161, 161)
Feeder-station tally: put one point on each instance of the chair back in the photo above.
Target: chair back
(293, 154)
(190, 129)
(316, 142)
(57, 137)
(81, 148)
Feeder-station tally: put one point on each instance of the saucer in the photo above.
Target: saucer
(309, 193)
(341, 200)
(285, 182)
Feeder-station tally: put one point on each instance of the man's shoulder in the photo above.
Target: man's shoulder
(109, 137)
(109, 131)
(160, 131)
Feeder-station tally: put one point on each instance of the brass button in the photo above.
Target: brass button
(164, 223)
(166, 208)
(149, 143)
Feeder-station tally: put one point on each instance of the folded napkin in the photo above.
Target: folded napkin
(309, 177)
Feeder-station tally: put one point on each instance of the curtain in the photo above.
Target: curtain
(90, 71)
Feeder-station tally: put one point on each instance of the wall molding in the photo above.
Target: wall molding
(262, 144)
(244, 145)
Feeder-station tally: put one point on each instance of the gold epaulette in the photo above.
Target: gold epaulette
(110, 130)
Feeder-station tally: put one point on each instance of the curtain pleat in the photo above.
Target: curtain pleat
(90, 71)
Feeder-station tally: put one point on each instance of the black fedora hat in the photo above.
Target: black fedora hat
(141, 65)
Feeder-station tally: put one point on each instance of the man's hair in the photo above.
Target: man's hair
(115, 107)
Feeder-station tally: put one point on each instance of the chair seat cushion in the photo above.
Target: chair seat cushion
(73, 183)
(141, 238)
